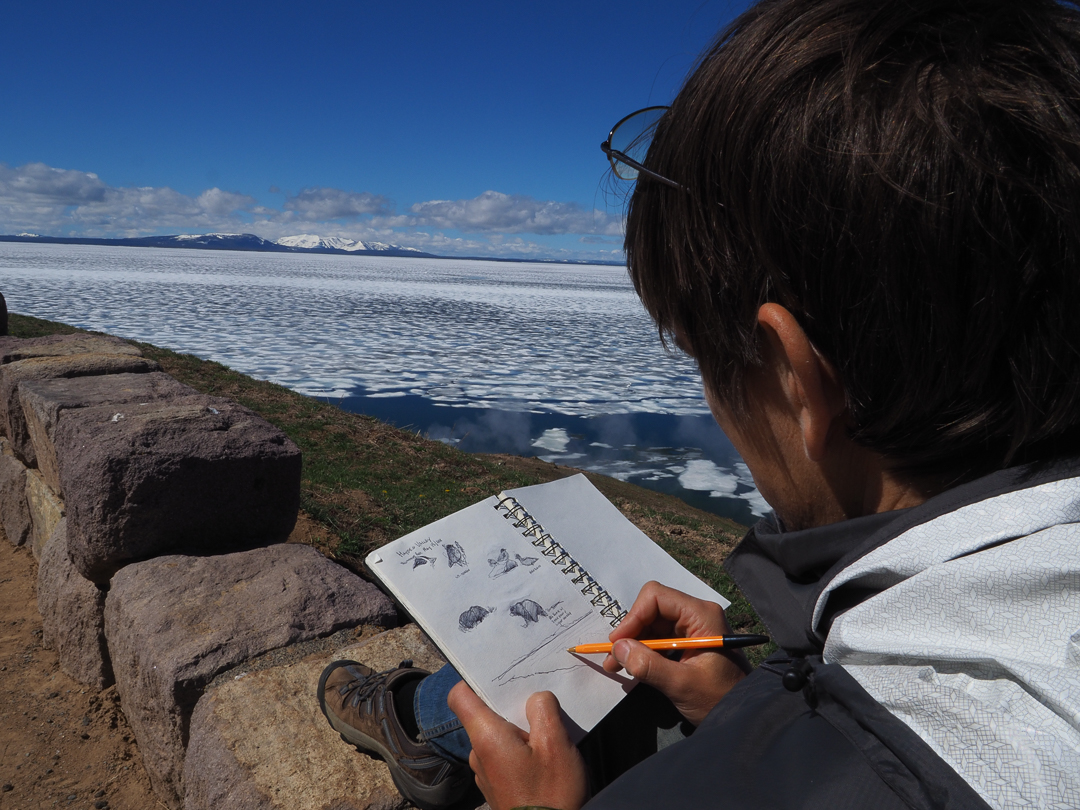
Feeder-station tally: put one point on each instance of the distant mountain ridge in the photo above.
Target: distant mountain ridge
(309, 241)
(304, 243)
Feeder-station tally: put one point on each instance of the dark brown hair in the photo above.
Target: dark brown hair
(904, 177)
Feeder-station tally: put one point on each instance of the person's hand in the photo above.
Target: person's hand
(694, 683)
(514, 768)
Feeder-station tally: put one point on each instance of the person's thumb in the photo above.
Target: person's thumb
(648, 666)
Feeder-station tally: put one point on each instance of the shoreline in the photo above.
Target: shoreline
(365, 482)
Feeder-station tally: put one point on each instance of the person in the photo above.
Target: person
(862, 219)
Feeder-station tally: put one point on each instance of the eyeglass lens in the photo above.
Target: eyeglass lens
(632, 137)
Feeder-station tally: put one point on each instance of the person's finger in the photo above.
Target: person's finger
(465, 703)
(643, 613)
(546, 728)
(660, 611)
(477, 718)
(649, 666)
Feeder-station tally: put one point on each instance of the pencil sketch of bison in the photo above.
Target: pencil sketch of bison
(472, 617)
(528, 610)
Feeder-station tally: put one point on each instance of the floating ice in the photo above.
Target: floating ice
(516, 336)
(509, 338)
(703, 475)
(554, 440)
(758, 505)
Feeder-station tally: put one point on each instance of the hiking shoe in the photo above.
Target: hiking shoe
(359, 704)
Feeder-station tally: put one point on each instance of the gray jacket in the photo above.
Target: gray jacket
(934, 655)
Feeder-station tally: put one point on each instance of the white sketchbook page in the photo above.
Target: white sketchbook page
(502, 613)
(612, 549)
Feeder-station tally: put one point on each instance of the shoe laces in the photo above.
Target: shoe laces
(364, 688)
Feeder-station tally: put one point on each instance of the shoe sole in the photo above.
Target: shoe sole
(426, 798)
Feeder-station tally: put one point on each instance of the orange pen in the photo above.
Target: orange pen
(702, 642)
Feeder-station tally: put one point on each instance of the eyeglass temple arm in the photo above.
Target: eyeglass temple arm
(633, 164)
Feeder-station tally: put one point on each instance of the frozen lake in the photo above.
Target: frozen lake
(550, 360)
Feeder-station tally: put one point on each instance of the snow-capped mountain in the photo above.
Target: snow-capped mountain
(235, 241)
(218, 241)
(310, 241)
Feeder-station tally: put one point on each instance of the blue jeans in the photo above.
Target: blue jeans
(642, 723)
(438, 725)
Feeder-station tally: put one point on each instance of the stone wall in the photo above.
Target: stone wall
(159, 519)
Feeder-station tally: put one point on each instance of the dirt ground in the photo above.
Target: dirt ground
(61, 744)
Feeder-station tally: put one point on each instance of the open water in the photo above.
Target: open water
(556, 361)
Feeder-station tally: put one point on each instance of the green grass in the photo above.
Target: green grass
(365, 482)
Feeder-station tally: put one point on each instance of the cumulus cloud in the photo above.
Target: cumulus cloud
(222, 203)
(38, 184)
(494, 212)
(62, 201)
(66, 202)
(320, 204)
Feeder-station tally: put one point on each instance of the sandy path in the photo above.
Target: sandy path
(61, 744)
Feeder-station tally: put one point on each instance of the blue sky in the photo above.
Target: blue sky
(466, 128)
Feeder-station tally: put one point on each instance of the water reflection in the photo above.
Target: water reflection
(682, 455)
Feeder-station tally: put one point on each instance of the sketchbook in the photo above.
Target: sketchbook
(504, 586)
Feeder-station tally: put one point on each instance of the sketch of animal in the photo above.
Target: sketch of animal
(501, 564)
(472, 617)
(525, 560)
(455, 554)
(528, 610)
(418, 560)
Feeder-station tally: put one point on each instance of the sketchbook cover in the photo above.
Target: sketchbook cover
(504, 615)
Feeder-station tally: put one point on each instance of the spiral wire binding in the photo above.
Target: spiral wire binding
(549, 547)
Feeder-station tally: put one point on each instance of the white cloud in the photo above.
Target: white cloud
(66, 202)
(494, 212)
(319, 204)
(222, 203)
(42, 185)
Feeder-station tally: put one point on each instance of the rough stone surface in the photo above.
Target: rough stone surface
(14, 511)
(47, 368)
(175, 622)
(13, 349)
(259, 741)
(46, 511)
(72, 615)
(193, 474)
(44, 400)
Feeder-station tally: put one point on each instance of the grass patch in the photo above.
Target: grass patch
(365, 483)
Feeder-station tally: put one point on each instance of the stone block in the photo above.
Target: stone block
(13, 349)
(72, 612)
(173, 623)
(46, 511)
(14, 511)
(43, 401)
(46, 368)
(195, 474)
(259, 741)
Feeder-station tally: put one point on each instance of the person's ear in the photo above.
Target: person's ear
(810, 383)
